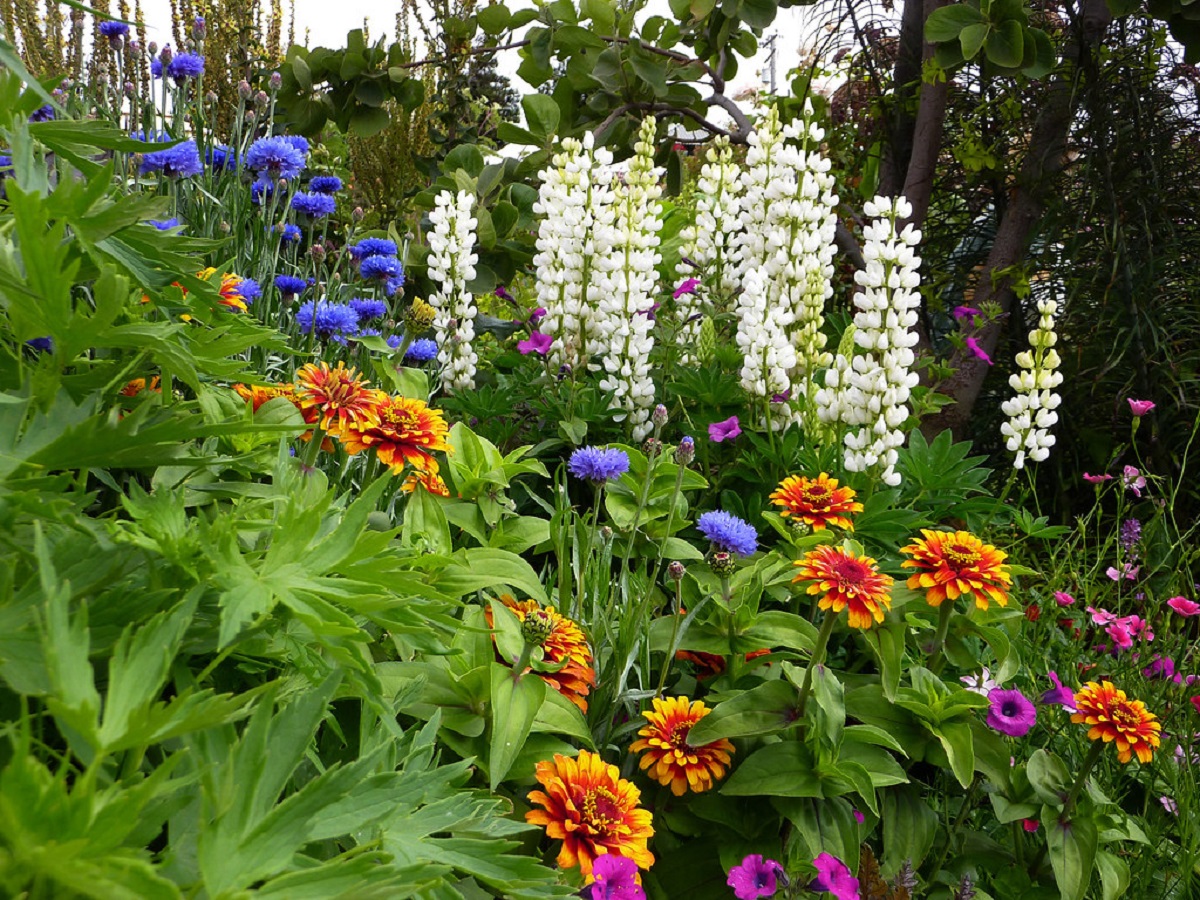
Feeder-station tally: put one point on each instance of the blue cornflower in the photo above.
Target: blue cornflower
(290, 285)
(260, 190)
(5, 161)
(250, 290)
(326, 319)
(274, 157)
(164, 224)
(393, 284)
(373, 247)
(367, 332)
(315, 205)
(598, 464)
(298, 142)
(180, 161)
(222, 158)
(42, 114)
(381, 268)
(185, 65)
(291, 233)
(728, 532)
(151, 137)
(156, 67)
(325, 184)
(422, 350)
(368, 309)
(42, 344)
(114, 31)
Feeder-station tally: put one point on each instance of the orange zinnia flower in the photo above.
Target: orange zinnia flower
(1114, 717)
(845, 580)
(428, 479)
(231, 296)
(137, 385)
(953, 563)
(819, 502)
(592, 810)
(339, 396)
(258, 394)
(669, 757)
(565, 644)
(402, 431)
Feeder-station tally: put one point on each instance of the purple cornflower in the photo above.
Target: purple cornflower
(186, 65)
(114, 31)
(290, 285)
(422, 350)
(1010, 712)
(834, 876)
(536, 343)
(42, 114)
(325, 184)
(250, 290)
(1131, 533)
(222, 158)
(373, 247)
(316, 206)
(728, 532)
(615, 879)
(273, 158)
(300, 143)
(755, 877)
(393, 284)
(724, 431)
(325, 319)
(290, 233)
(180, 161)
(598, 464)
(380, 268)
(368, 309)
(1063, 696)
(42, 344)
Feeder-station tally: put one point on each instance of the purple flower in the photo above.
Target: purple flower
(222, 158)
(973, 346)
(598, 464)
(1063, 696)
(164, 224)
(964, 312)
(422, 350)
(316, 206)
(41, 344)
(1010, 712)
(536, 343)
(290, 285)
(290, 233)
(250, 290)
(728, 532)
(782, 397)
(503, 294)
(615, 879)
(724, 431)
(325, 184)
(114, 31)
(373, 247)
(1161, 667)
(834, 876)
(687, 286)
(274, 157)
(380, 268)
(1131, 533)
(42, 114)
(755, 877)
(368, 309)
(1126, 571)
(325, 319)
(186, 65)
(180, 161)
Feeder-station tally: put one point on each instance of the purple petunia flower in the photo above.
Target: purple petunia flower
(325, 184)
(979, 352)
(1162, 667)
(290, 285)
(1010, 712)
(598, 464)
(316, 206)
(615, 879)
(834, 876)
(186, 65)
(536, 343)
(687, 286)
(1063, 696)
(728, 532)
(724, 431)
(368, 309)
(755, 877)
(273, 158)
(180, 161)
(373, 247)
(325, 319)
(380, 268)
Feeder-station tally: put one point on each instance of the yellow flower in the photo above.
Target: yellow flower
(951, 564)
(401, 430)
(818, 502)
(339, 396)
(668, 756)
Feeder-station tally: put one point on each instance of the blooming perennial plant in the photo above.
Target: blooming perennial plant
(666, 753)
(451, 262)
(1031, 411)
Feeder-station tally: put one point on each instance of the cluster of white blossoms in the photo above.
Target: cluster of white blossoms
(575, 203)
(707, 243)
(625, 279)
(870, 392)
(451, 263)
(1031, 411)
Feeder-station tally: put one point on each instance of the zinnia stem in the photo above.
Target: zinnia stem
(1088, 763)
(818, 657)
(945, 611)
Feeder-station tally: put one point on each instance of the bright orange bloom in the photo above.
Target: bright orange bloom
(954, 563)
(137, 385)
(592, 810)
(818, 502)
(339, 395)
(231, 294)
(1114, 717)
(401, 430)
(668, 755)
(565, 644)
(258, 394)
(429, 479)
(845, 580)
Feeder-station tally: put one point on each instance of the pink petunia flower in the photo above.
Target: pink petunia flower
(536, 343)
(834, 876)
(1140, 407)
(973, 346)
(1185, 607)
(1062, 598)
(724, 431)
(1122, 637)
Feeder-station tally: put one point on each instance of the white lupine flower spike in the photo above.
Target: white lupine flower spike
(452, 261)
(1031, 411)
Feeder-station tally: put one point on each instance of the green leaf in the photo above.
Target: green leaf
(425, 525)
(1049, 778)
(515, 704)
(541, 115)
(1044, 61)
(493, 19)
(602, 13)
(785, 769)
(757, 13)
(560, 716)
(766, 709)
(369, 120)
(946, 23)
(957, 741)
(1114, 875)
(1072, 851)
(972, 37)
(649, 67)
(909, 827)
(1006, 44)
(478, 568)
(830, 697)
(887, 643)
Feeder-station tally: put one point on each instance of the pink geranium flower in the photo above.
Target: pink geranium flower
(1141, 407)
(724, 431)
(1185, 607)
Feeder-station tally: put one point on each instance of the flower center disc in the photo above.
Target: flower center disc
(601, 810)
(850, 571)
(961, 555)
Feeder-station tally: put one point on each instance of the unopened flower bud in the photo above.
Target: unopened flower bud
(128, 89)
(676, 570)
(652, 447)
(419, 316)
(199, 29)
(537, 627)
(166, 56)
(261, 99)
(153, 48)
(706, 343)
(275, 82)
(135, 46)
(358, 214)
(225, 229)
(606, 534)
(250, 117)
(685, 452)
(244, 90)
(799, 527)
(210, 98)
(317, 252)
(659, 416)
(721, 563)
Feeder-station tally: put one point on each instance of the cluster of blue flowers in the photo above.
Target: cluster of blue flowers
(327, 320)
(325, 184)
(114, 31)
(222, 158)
(180, 161)
(368, 309)
(291, 285)
(422, 350)
(185, 65)
(314, 205)
(373, 247)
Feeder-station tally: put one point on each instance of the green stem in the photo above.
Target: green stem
(1089, 762)
(945, 611)
(314, 446)
(651, 458)
(818, 657)
(587, 554)
(670, 657)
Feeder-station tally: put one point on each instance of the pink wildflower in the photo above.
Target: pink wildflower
(1096, 479)
(1183, 606)
(1133, 480)
(1140, 407)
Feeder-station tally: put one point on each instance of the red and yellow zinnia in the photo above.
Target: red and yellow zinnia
(818, 502)
(951, 564)
(230, 289)
(847, 581)
(401, 430)
(1113, 717)
(340, 396)
(565, 644)
(592, 810)
(666, 753)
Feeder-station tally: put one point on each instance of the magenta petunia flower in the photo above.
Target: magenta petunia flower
(536, 343)
(687, 286)
(1140, 407)
(1096, 479)
(1063, 696)
(1010, 712)
(834, 876)
(616, 879)
(1062, 598)
(724, 431)
(964, 312)
(1101, 616)
(973, 346)
(755, 877)
(858, 816)
(1185, 607)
